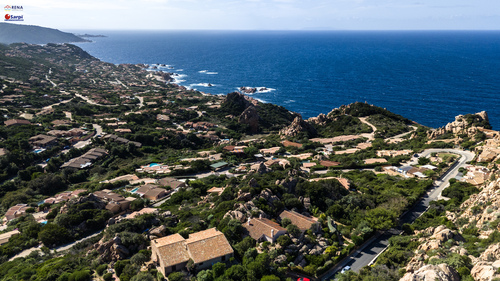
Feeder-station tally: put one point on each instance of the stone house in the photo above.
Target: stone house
(204, 248)
(262, 229)
(304, 223)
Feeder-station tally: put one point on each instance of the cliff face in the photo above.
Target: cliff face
(463, 124)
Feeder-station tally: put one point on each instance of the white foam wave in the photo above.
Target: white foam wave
(179, 70)
(208, 72)
(289, 101)
(202, 85)
(258, 90)
(178, 78)
(264, 90)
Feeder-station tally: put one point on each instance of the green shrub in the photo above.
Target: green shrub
(108, 276)
(101, 268)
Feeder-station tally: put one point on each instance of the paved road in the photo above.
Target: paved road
(371, 250)
(82, 144)
(400, 136)
(26, 252)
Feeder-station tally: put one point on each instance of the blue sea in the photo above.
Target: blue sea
(427, 76)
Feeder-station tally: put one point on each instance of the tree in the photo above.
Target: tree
(247, 243)
(120, 265)
(218, 269)
(380, 218)
(293, 230)
(233, 231)
(235, 273)
(285, 222)
(284, 240)
(270, 278)
(53, 234)
(143, 276)
(108, 276)
(139, 259)
(205, 275)
(176, 276)
(82, 275)
(100, 269)
(423, 161)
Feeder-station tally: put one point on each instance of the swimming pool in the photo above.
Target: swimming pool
(134, 190)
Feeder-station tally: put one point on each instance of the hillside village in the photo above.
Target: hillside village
(114, 172)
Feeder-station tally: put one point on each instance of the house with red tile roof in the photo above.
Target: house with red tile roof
(262, 229)
(16, 122)
(291, 143)
(302, 222)
(16, 211)
(204, 248)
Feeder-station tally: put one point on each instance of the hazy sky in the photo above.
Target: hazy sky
(262, 14)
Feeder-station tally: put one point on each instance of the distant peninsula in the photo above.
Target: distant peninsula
(86, 35)
(31, 34)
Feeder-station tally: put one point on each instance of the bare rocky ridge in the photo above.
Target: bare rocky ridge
(487, 265)
(481, 208)
(459, 126)
(479, 211)
(110, 250)
(298, 126)
(250, 117)
(441, 272)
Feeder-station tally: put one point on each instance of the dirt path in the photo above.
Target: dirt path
(370, 136)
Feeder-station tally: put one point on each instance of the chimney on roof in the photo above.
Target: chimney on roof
(248, 220)
(260, 216)
(272, 233)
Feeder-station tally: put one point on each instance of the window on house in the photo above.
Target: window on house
(223, 258)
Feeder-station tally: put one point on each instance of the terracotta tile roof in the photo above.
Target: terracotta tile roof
(172, 249)
(16, 122)
(145, 188)
(207, 245)
(201, 246)
(303, 222)
(214, 189)
(172, 182)
(260, 226)
(329, 163)
(290, 143)
(155, 193)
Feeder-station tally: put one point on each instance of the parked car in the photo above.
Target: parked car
(303, 279)
(345, 269)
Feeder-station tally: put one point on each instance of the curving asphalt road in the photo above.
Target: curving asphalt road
(368, 253)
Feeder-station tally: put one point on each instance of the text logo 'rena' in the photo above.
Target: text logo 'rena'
(13, 8)
(9, 17)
